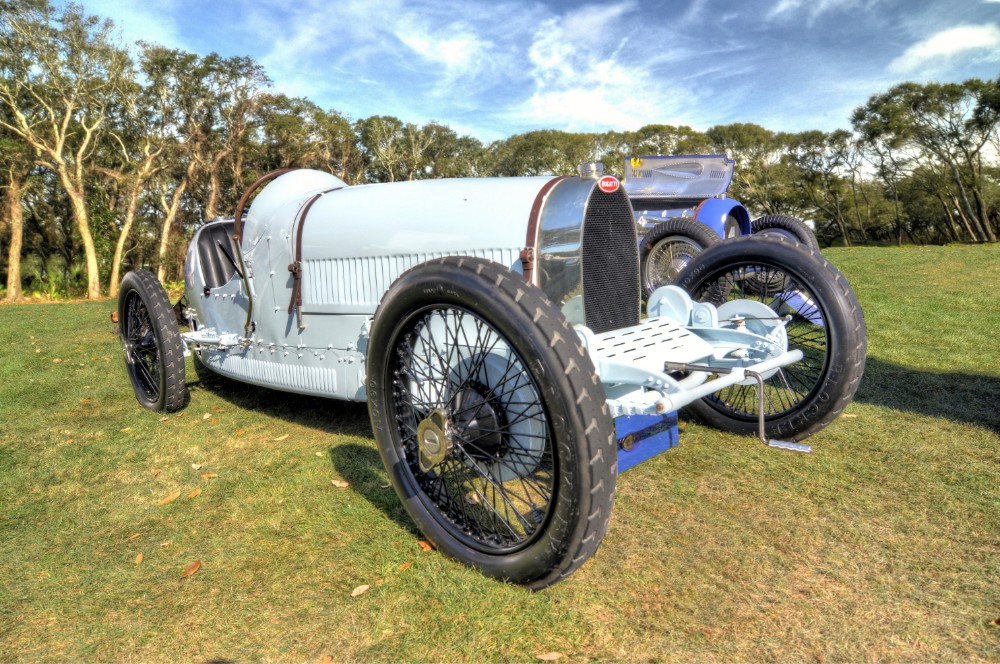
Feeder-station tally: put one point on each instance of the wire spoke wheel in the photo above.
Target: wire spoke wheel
(667, 249)
(824, 321)
(491, 424)
(493, 476)
(141, 354)
(787, 295)
(666, 260)
(154, 355)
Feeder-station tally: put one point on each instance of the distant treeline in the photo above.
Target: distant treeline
(108, 163)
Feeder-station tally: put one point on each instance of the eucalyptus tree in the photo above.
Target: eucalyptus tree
(69, 68)
(16, 164)
(178, 90)
(947, 123)
(543, 152)
(820, 160)
(235, 88)
(757, 152)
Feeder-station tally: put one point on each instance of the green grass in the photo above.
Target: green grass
(882, 545)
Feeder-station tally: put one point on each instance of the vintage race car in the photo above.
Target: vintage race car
(494, 328)
(682, 208)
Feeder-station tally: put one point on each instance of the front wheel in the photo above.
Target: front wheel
(490, 421)
(825, 323)
(668, 247)
(154, 355)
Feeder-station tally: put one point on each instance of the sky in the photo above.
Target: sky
(494, 68)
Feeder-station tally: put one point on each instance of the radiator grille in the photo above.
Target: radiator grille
(610, 263)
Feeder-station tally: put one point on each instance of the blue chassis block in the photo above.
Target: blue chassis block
(642, 437)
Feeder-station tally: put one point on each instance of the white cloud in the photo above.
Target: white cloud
(814, 7)
(589, 74)
(943, 46)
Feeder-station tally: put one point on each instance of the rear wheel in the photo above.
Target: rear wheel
(490, 421)
(668, 247)
(826, 324)
(785, 226)
(154, 355)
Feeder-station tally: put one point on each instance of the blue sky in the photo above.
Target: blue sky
(493, 68)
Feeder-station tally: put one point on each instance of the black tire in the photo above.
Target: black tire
(517, 475)
(154, 355)
(827, 325)
(785, 226)
(668, 247)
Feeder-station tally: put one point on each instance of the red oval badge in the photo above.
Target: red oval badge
(609, 184)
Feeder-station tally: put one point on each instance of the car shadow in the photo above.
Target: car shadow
(358, 464)
(956, 396)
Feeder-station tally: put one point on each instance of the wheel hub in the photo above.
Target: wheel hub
(478, 423)
(434, 440)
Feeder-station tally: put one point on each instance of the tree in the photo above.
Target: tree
(16, 163)
(949, 123)
(69, 68)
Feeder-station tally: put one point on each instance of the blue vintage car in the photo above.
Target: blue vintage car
(682, 208)
(494, 328)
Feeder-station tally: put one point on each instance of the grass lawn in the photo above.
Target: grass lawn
(884, 544)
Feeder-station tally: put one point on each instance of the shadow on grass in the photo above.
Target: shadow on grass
(960, 397)
(358, 464)
(333, 416)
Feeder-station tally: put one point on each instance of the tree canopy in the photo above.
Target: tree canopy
(110, 161)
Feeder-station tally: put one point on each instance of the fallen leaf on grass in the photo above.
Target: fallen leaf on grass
(404, 567)
(385, 486)
(114, 316)
(340, 484)
(138, 559)
(216, 408)
(126, 429)
(156, 471)
(164, 544)
(281, 437)
(319, 454)
(180, 414)
(191, 569)
(209, 475)
(196, 466)
(133, 536)
(848, 415)
(169, 499)
(86, 400)
(240, 432)
(549, 656)
(425, 546)
(70, 441)
(206, 416)
(56, 360)
(164, 419)
(996, 622)
(360, 590)
(325, 659)
(195, 493)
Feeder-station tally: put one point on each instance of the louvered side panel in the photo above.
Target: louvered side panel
(362, 281)
(292, 377)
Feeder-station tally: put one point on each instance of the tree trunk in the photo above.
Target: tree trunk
(133, 205)
(213, 195)
(965, 220)
(168, 221)
(15, 216)
(78, 203)
(984, 215)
